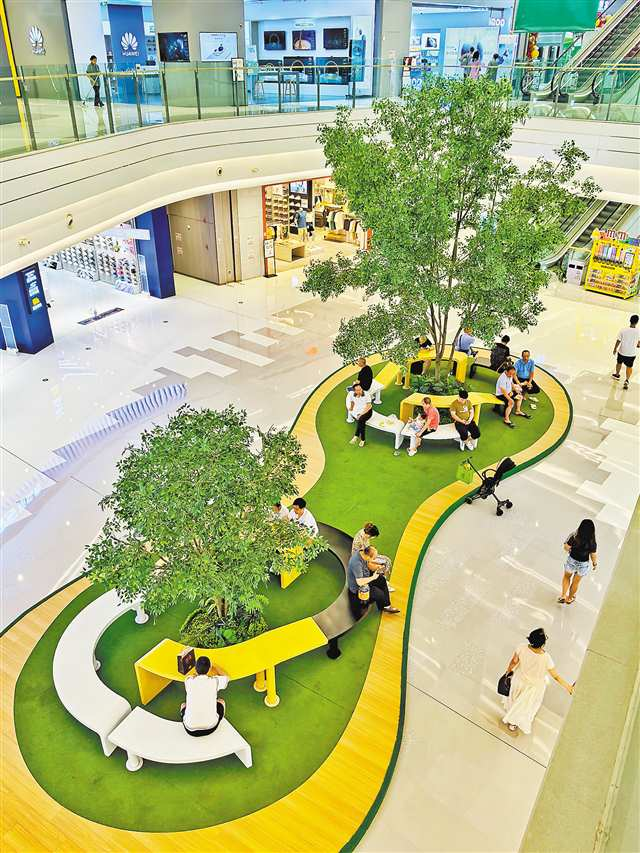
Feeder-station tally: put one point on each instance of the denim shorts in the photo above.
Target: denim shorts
(576, 567)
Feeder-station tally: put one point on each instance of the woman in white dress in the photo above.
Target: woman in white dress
(530, 664)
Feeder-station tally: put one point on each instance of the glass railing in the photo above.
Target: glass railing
(45, 107)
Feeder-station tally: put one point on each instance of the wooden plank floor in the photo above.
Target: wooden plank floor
(323, 813)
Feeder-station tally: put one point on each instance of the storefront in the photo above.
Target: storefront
(329, 47)
(443, 34)
(305, 219)
(81, 284)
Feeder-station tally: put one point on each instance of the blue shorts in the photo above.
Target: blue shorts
(577, 567)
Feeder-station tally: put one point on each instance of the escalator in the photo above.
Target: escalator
(617, 44)
(601, 215)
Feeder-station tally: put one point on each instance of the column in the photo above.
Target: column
(23, 295)
(260, 684)
(157, 252)
(393, 35)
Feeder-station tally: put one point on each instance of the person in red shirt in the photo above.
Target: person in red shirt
(429, 421)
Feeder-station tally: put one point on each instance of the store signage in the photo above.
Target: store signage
(303, 24)
(32, 289)
(127, 233)
(496, 22)
(129, 45)
(269, 248)
(36, 40)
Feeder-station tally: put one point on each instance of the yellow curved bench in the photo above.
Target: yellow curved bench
(462, 362)
(259, 657)
(476, 398)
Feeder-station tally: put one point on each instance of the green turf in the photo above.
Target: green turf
(374, 485)
(317, 694)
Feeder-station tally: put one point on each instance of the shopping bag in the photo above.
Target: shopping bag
(464, 473)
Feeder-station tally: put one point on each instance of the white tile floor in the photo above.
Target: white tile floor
(462, 782)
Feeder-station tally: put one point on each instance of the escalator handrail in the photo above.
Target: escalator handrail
(577, 228)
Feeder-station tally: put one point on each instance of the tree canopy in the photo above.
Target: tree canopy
(458, 230)
(190, 514)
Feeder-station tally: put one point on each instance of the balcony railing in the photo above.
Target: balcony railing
(48, 106)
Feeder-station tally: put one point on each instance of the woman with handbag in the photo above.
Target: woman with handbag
(529, 667)
(580, 547)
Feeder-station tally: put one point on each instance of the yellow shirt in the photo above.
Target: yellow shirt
(461, 409)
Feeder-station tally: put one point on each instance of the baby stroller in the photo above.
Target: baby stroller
(490, 481)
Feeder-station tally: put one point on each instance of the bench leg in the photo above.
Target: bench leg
(271, 700)
(141, 616)
(134, 762)
(245, 756)
(260, 684)
(107, 746)
(333, 649)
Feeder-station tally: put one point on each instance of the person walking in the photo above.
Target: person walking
(625, 349)
(361, 411)
(581, 547)
(530, 664)
(93, 73)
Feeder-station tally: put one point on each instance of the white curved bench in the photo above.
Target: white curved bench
(79, 689)
(143, 735)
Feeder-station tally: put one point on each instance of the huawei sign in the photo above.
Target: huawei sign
(129, 44)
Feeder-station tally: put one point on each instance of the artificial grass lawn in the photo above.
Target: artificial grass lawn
(317, 697)
(317, 694)
(371, 484)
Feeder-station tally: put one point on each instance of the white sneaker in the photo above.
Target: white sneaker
(411, 452)
(533, 406)
(470, 446)
(462, 445)
(354, 439)
(361, 444)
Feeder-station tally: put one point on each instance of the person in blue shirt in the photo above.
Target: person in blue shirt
(465, 342)
(525, 371)
(366, 583)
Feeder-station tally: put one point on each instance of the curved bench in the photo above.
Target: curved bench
(143, 735)
(260, 655)
(79, 689)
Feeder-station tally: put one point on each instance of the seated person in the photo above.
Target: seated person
(368, 383)
(365, 374)
(499, 354)
(509, 391)
(301, 515)
(360, 410)
(280, 511)
(366, 584)
(525, 370)
(350, 401)
(423, 342)
(362, 539)
(465, 342)
(203, 711)
(461, 412)
(427, 421)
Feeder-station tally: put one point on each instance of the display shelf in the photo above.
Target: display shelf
(614, 265)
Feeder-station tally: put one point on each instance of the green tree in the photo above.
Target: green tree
(190, 516)
(458, 230)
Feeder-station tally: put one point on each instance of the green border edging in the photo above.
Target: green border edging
(366, 823)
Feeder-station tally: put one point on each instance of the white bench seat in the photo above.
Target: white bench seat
(77, 684)
(143, 735)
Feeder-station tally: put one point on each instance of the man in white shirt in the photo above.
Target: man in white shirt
(510, 392)
(625, 349)
(301, 515)
(203, 711)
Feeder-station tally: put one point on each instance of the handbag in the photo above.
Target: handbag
(504, 684)
(464, 473)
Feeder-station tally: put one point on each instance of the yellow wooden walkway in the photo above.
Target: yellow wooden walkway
(323, 813)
